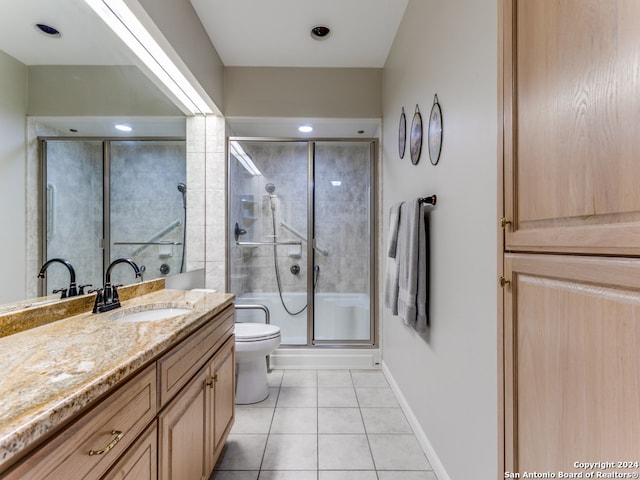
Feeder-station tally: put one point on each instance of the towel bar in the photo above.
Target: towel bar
(431, 200)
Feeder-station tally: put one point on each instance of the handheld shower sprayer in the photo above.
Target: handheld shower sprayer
(270, 188)
(182, 188)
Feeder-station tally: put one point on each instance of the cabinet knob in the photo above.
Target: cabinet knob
(504, 282)
(504, 222)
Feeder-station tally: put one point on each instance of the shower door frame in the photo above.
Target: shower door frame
(372, 341)
(105, 241)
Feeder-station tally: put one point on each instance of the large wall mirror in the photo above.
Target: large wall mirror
(61, 97)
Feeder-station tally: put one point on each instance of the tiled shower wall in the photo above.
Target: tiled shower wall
(342, 216)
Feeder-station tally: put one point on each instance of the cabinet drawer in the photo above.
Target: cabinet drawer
(177, 367)
(127, 410)
(140, 461)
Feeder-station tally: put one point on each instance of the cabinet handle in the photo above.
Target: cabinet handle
(118, 436)
(211, 381)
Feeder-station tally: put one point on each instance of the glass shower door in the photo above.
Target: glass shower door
(343, 242)
(73, 211)
(268, 197)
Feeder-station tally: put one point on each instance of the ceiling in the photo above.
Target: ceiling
(275, 34)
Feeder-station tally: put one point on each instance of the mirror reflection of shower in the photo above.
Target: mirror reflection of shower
(182, 188)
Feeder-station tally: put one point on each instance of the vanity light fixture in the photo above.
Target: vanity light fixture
(123, 127)
(245, 160)
(117, 15)
(305, 128)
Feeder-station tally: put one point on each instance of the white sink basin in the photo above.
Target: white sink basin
(152, 315)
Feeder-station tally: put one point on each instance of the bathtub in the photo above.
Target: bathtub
(338, 316)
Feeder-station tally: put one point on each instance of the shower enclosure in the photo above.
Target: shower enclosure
(104, 199)
(301, 239)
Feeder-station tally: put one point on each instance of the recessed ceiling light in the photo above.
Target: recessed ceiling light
(305, 128)
(123, 127)
(48, 30)
(320, 32)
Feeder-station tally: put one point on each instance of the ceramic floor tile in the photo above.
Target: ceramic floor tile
(337, 397)
(340, 420)
(397, 452)
(376, 397)
(369, 379)
(334, 378)
(385, 420)
(234, 475)
(344, 452)
(274, 378)
(391, 475)
(242, 452)
(288, 475)
(347, 475)
(300, 378)
(268, 402)
(297, 397)
(291, 452)
(295, 420)
(252, 420)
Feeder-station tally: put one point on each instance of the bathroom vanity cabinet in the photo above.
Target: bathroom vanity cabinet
(168, 421)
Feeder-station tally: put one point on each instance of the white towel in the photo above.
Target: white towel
(391, 273)
(413, 267)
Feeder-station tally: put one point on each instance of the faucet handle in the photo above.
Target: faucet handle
(114, 297)
(82, 287)
(61, 290)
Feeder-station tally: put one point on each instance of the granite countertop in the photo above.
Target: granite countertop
(51, 372)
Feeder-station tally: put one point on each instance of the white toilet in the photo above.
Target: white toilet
(254, 341)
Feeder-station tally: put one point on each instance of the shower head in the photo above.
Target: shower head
(270, 188)
(182, 188)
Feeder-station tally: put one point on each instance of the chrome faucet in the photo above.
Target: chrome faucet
(107, 298)
(73, 290)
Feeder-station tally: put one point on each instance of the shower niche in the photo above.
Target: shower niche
(305, 251)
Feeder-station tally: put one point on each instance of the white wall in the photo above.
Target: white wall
(13, 109)
(449, 379)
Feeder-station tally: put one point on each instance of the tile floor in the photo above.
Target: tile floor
(323, 425)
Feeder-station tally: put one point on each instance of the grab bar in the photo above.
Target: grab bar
(267, 320)
(288, 227)
(154, 238)
(166, 242)
(267, 316)
(257, 244)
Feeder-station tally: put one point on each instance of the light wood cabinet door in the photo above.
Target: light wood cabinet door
(183, 433)
(222, 370)
(140, 462)
(572, 369)
(571, 107)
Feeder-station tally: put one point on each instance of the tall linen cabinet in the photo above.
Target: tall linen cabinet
(570, 159)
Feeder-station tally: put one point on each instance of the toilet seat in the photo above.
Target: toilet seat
(255, 332)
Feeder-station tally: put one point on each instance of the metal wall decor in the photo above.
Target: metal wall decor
(402, 134)
(415, 137)
(435, 131)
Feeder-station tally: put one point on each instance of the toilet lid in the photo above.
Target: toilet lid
(247, 332)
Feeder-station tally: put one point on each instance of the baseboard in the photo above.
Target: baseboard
(330, 358)
(427, 448)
